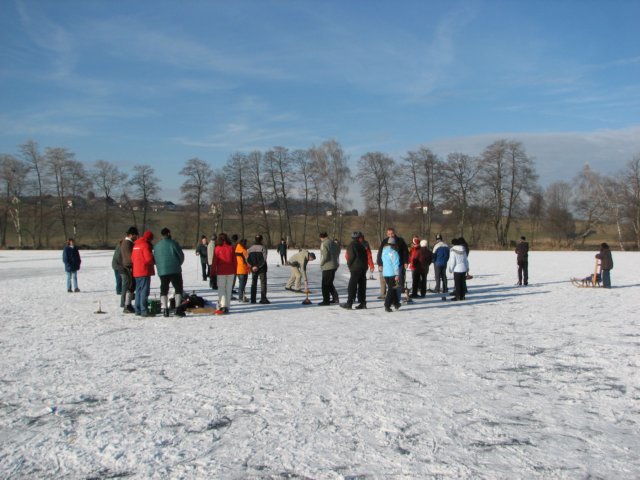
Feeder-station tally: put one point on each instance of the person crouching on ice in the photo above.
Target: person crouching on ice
(298, 264)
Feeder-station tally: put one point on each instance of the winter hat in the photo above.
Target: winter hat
(148, 235)
(455, 241)
(132, 231)
(416, 239)
(258, 238)
(165, 232)
(391, 241)
(423, 243)
(438, 237)
(356, 235)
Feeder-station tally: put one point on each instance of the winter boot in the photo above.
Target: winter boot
(179, 311)
(347, 305)
(362, 306)
(164, 305)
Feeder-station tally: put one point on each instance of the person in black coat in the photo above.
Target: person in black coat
(522, 252)
(201, 251)
(358, 264)
(606, 264)
(71, 260)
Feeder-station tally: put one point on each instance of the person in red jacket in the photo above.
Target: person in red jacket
(224, 266)
(143, 270)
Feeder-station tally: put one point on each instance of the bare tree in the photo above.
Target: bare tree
(281, 166)
(420, 174)
(236, 172)
(107, 178)
(257, 188)
(218, 192)
(198, 175)
(629, 181)
(305, 171)
(461, 171)
(79, 183)
(30, 154)
(558, 218)
(506, 173)
(58, 167)
(13, 174)
(588, 201)
(536, 210)
(271, 179)
(146, 187)
(331, 162)
(378, 176)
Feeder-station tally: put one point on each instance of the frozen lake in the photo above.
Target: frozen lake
(535, 382)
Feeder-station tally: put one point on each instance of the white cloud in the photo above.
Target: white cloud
(558, 155)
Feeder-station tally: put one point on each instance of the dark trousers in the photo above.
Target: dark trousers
(441, 276)
(391, 298)
(357, 286)
(128, 285)
(118, 282)
(606, 278)
(419, 283)
(460, 284)
(205, 270)
(329, 291)
(242, 285)
(523, 272)
(254, 285)
(174, 279)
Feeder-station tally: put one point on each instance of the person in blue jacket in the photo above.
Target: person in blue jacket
(391, 271)
(71, 259)
(440, 259)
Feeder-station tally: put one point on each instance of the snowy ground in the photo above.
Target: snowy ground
(536, 382)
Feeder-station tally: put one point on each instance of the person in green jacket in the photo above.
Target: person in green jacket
(169, 258)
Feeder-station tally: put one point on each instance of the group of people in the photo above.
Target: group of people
(135, 260)
(225, 261)
(393, 260)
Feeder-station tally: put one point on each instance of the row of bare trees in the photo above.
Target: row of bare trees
(42, 192)
(497, 188)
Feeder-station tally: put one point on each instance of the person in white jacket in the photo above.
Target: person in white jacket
(459, 266)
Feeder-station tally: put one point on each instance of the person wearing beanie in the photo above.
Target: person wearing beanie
(224, 265)
(357, 262)
(403, 253)
(143, 270)
(169, 258)
(522, 259)
(125, 268)
(390, 259)
(440, 259)
(421, 259)
(606, 264)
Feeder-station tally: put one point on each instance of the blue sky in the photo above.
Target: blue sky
(160, 82)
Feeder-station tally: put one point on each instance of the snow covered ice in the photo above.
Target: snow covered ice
(515, 382)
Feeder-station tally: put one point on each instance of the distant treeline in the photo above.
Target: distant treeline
(489, 199)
